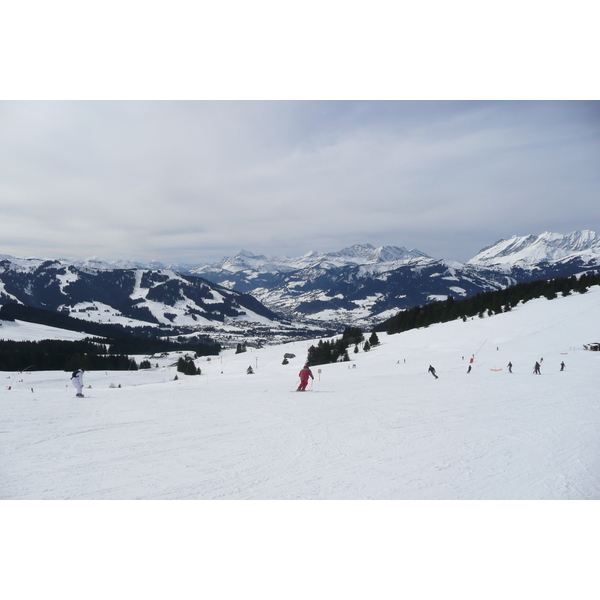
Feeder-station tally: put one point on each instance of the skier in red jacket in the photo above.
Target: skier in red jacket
(305, 373)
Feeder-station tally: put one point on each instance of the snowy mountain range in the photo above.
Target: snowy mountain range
(246, 263)
(364, 284)
(127, 296)
(360, 284)
(532, 251)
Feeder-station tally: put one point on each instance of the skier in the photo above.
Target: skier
(509, 365)
(536, 368)
(562, 365)
(304, 374)
(432, 371)
(77, 381)
(469, 369)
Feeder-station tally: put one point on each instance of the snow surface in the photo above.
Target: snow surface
(98, 312)
(382, 429)
(527, 251)
(22, 331)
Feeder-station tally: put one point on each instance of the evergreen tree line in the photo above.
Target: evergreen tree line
(331, 351)
(136, 345)
(57, 355)
(487, 303)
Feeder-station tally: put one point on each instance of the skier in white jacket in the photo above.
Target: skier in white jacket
(77, 381)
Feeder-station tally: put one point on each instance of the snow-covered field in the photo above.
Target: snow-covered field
(379, 427)
(384, 429)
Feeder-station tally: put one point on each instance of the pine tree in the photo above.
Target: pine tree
(187, 366)
(353, 335)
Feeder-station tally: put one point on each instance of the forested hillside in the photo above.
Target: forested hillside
(107, 348)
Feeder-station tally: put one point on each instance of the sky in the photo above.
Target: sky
(193, 181)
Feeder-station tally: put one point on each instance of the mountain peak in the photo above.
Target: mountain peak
(525, 251)
(357, 250)
(245, 254)
(369, 254)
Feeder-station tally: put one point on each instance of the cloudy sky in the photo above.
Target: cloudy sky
(193, 181)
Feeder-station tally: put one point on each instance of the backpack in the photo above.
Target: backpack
(74, 374)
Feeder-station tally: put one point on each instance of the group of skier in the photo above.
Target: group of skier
(305, 375)
(536, 367)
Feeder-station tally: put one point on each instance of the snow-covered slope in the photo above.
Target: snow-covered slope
(379, 427)
(529, 251)
(21, 331)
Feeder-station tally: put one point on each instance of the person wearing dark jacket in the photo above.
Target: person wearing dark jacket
(305, 373)
(432, 371)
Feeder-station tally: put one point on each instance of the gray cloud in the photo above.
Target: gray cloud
(193, 181)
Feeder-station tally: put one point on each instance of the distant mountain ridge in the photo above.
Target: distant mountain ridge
(364, 284)
(360, 284)
(94, 263)
(363, 254)
(126, 296)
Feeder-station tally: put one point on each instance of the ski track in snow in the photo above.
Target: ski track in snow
(384, 430)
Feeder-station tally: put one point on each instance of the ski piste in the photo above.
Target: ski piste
(378, 431)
